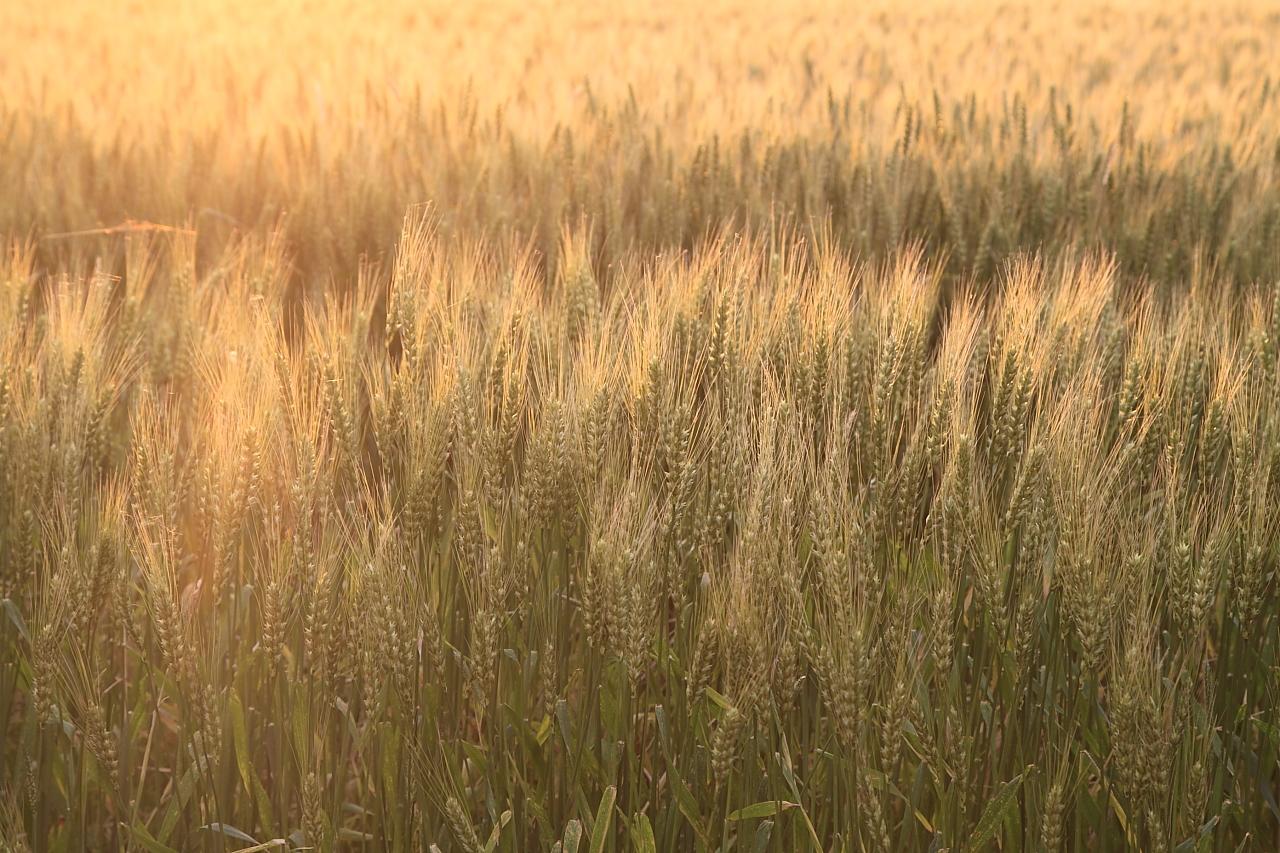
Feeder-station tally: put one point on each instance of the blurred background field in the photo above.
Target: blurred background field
(980, 129)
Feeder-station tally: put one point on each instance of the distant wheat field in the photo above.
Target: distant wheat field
(639, 426)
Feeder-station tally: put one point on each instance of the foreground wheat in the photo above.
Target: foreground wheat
(750, 547)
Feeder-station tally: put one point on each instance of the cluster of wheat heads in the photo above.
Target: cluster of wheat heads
(755, 548)
(793, 426)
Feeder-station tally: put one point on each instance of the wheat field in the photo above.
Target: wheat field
(639, 426)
